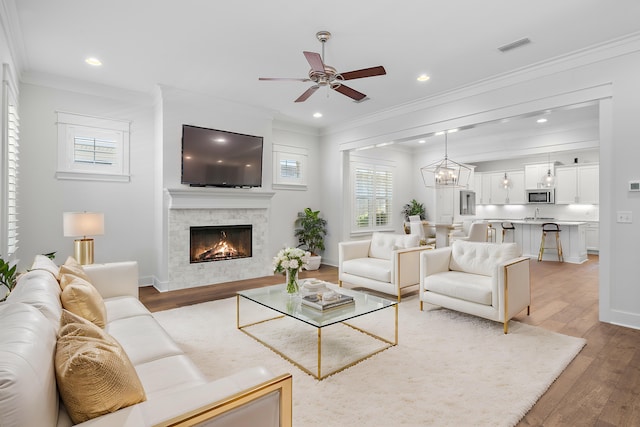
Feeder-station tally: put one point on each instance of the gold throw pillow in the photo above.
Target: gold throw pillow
(71, 266)
(94, 374)
(82, 298)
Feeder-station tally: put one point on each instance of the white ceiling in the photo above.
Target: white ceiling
(221, 48)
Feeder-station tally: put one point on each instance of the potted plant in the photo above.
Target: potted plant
(8, 277)
(413, 208)
(310, 233)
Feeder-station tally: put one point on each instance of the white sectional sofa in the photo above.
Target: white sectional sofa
(176, 390)
(489, 280)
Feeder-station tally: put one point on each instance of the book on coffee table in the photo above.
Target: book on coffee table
(318, 303)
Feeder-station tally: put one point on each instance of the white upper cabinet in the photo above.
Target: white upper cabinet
(517, 194)
(477, 187)
(490, 192)
(577, 184)
(533, 174)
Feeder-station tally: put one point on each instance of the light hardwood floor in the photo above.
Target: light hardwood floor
(601, 387)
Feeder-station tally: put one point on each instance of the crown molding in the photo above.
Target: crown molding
(596, 53)
(88, 88)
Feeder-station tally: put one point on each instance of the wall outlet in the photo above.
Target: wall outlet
(624, 217)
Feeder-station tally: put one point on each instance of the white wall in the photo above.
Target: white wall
(127, 207)
(286, 204)
(608, 75)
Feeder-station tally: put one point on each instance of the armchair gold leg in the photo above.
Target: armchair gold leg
(340, 283)
(506, 327)
(420, 305)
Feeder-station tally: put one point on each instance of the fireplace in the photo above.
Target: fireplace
(220, 242)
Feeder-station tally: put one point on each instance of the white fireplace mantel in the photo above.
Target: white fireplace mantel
(218, 198)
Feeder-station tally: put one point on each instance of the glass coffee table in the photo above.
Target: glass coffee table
(276, 299)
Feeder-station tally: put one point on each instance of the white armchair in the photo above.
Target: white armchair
(488, 280)
(387, 263)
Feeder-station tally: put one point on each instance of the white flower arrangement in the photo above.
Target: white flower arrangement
(292, 259)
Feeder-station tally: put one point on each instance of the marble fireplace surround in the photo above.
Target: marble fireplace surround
(195, 207)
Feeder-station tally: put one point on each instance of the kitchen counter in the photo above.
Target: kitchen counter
(528, 234)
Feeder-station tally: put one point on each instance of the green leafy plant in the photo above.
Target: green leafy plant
(311, 230)
(50, 255)
(414, 208)
(8, 276)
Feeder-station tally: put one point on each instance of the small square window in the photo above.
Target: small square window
(92, 148)
(289, 167)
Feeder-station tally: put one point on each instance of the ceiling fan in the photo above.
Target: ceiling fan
(325, 75)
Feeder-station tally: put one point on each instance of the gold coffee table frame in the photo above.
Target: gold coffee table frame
(276, 299)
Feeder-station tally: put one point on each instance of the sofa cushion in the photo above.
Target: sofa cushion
(383, 244)
(123, 307)
(465, 286)
(169, 374)
(45, 263)
(71, 266)
(94, 374)
(28, 395)
(81, 298)
(480, 257)
(40, 289)
(143, 338)
(371, 268)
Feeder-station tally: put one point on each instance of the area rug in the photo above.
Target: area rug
(448, 369)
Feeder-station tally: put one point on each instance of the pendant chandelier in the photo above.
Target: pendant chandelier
(446, 173)
(548, 180)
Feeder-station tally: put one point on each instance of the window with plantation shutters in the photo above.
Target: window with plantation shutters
(372, 188)
(92, 148)
(289, 167)
(9, 158)
(13, 139)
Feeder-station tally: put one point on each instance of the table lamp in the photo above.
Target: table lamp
(76, 224)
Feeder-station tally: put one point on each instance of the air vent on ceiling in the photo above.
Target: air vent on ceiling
(510, 46)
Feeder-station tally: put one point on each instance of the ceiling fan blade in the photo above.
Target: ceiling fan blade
(284, 79)
(365, 72)
(315, 61)
(351, 93)
(307, 94)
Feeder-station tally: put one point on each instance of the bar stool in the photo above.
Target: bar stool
(491, 233)
(508, 226)
(551, 227)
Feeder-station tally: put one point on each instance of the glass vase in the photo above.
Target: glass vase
(292, 281)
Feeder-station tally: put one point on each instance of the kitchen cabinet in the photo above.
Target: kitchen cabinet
(477, 187)
(577, 184)
(593, 236)
(533, 174)
(517, 194)
(492, 193)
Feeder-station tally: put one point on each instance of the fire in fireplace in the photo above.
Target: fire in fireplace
(217, 243)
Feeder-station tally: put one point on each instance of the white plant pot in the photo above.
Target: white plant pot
(314, 263)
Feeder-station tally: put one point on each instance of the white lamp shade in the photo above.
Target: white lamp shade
(82, 224)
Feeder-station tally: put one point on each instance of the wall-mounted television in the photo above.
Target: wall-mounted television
(219, 158)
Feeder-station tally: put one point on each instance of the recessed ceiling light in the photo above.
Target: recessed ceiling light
(423, 78)
(439, 133)
(93, 61)
(422, 141)
(543, 120)
(317, 115)
(453, 130)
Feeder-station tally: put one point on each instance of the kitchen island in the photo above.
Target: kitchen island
(528, 233)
